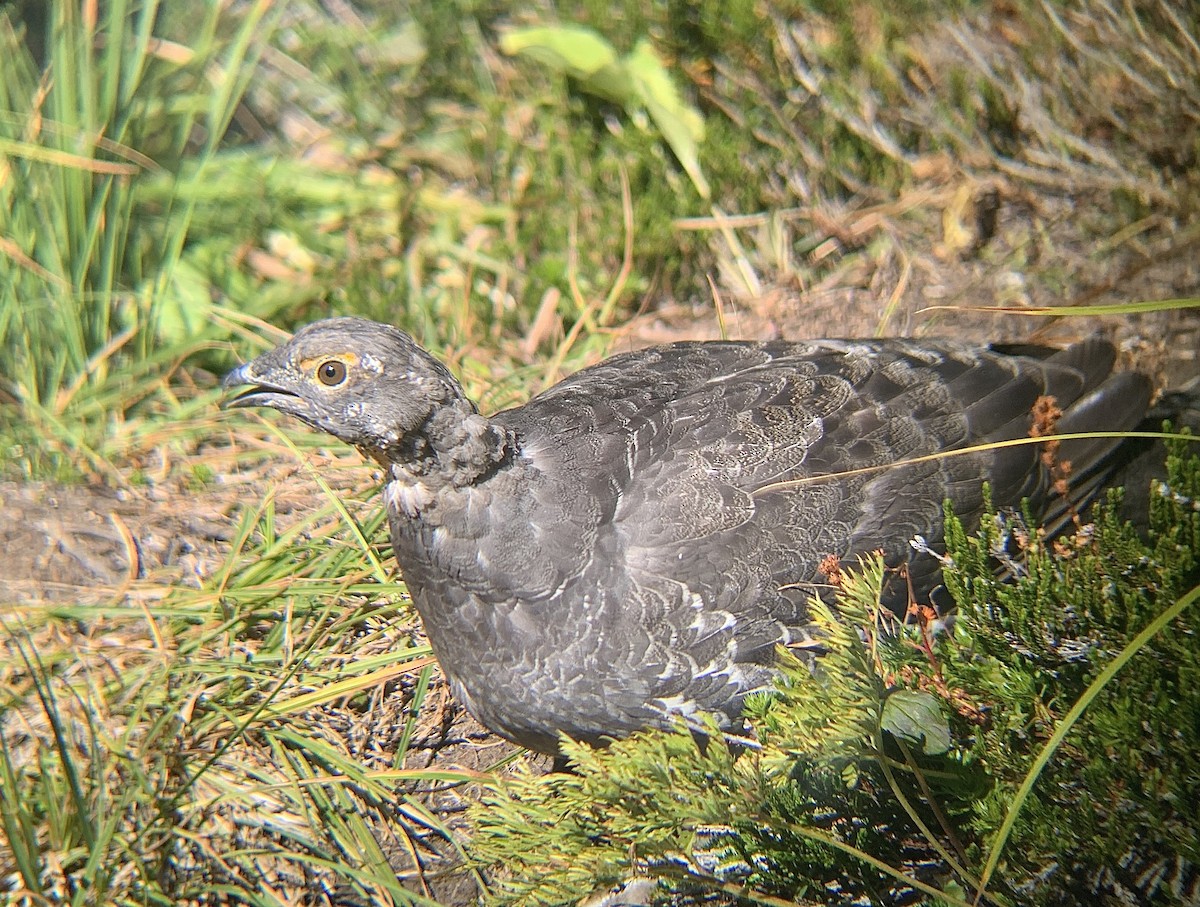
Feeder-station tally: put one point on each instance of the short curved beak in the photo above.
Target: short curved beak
(238, 377)
(258, 392)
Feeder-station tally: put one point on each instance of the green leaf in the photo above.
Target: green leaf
(681, 125)
(187, 307)
(403, 46)
(917, 717)
(577, 52)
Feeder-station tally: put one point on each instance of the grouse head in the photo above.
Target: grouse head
(365, 383)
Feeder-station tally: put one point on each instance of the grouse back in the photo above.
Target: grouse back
(631, 546)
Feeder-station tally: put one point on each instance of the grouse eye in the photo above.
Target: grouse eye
(331, 373)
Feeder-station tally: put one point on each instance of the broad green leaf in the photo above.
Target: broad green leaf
(655, 85)
(681, 125)
(577, 52)
(917, 717)
(403, 46)
(187, 307)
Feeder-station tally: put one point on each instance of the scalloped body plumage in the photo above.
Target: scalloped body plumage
(631, 546)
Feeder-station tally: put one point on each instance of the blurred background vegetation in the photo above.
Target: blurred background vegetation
(523, 187)
(176, 173)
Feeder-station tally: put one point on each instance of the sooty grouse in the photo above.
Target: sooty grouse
(633, 544)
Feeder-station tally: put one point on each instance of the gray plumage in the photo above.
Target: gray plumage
(633, 544)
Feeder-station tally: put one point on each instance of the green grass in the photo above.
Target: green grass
(177, 180)
(82, 300)
(177, 745)
(172, 184)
